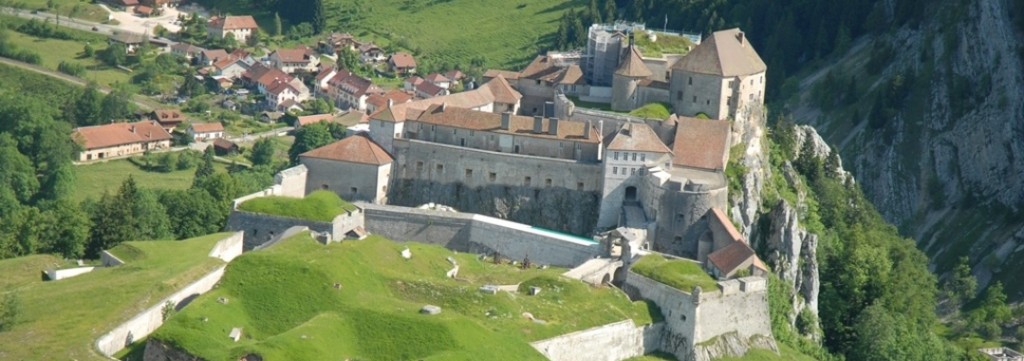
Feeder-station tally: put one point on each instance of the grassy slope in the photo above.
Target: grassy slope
(506, 33)
(96, 178)
(87, 10)
(680, 274)
(317, 206)
(284, 299)
(61, 320)
(53, 51)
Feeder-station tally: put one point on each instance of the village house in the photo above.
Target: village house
(131, 41)
(120, 139)
(127, 5)
(380, 101)
(205, 131)
(366, 166)
(209, 56)
(541, 79)
(455, 76)
(282, 91)
(402, 63)
(239, 27)
(345, 89)
(223, 147)
(313, 119)
(371, 53)
(295, 60)
(168, 118)
(439, 80)
(337, 41)
(732, 255)
(145, 11)
(186, 50)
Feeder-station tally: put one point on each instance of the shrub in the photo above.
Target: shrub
(10, 309)
(71, 68)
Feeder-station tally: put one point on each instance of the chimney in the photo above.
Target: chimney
(739, 36)
(538, 124)
(391, 102)
(631, 40)
(586, 129)
(132, 129)
(506, 119)
(553, 126)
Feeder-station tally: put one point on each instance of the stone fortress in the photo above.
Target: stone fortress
(633, 185)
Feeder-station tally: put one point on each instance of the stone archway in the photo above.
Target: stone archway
(630, 194)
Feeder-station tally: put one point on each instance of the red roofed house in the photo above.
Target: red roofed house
(439, 80)
(206, 131)
(402, 63)
(120, 139)
(168, 118)
(293, 60)
(240, 27)
(380, 101)
(730, 254)
(355, 168)
(312, 119)
(345, 89)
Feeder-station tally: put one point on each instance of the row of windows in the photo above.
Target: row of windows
(632, 171)
(625, 156)
(493, 177)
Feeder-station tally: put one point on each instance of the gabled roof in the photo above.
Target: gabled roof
(128, 37)
(233, 22)
(507, 74)
(495, 91)
(540, 66)
(731, 257)
(380, 101)
(168, 115)
(637, 137)
(429, 89)
(300, 54)
(719, 216)
(502, 91)
(186, 48)
(327, 71)
(353, 84)
(724, 53)
(455, 117)
(215, 54)
(633, 65)
(437, 78)
(207, 127)
(224, 144)
(402, 60)
(109, 135)
(352, 149)
(455, 74)
(701, 143)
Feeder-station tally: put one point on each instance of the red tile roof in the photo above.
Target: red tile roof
(455, 74)
(633, 65)
(353, 149)
(731, 257)
(215, 54)
(301, 54)
(701, 143)
(507, 74)
(719, 216)
(312, 119)
(429, 89)
(495, 91)
(168, 115)
(638, 137)
(437, 78)
(233, 22)
(724, 53)
(402, 60)
(109, 135)
(207, 127)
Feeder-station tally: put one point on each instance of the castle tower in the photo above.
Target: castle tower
(627, 79)
(633, 149)
(723, 77)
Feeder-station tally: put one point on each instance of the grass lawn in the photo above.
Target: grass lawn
(96, 178)
(506, 34)
(86, 10)
(61, 320)
(285, 300)
(663, 44)
(678, 273)
(786, 353)
(658, 111)
(590, 105)
(53, 51)
(317, 206)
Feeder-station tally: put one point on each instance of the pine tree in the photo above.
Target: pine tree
(277, 24)
(637, 10)
(319, 17)
(610, 10)
(593, 13)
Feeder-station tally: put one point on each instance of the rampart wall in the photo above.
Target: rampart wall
(261, 228)
(551, 193)
(612, 342)
(147, 321)
(478, 234)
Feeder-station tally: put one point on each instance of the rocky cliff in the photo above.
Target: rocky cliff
(931, 120)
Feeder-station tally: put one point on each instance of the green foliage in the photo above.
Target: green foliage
(309, 137)
(117, 105)
(114, 55)
(192, 212)
(263, 152)
(278, 29)
(71, 68)
(318, 206)
(10, 310)
(990, 313)
(652, 110)
(678, 273)
(87, 107)
(961, 285)
(9, 50)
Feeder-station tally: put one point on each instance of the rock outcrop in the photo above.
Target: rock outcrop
(793, 254)
(157, 350)
(732, 345)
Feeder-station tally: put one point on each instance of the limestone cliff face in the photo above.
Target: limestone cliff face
(946, 165)
(156, 350)
(553, 208)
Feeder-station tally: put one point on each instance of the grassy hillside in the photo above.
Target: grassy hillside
(681, 274)
(286, 301)
(61, 320)
(96, 178)
(503, 34)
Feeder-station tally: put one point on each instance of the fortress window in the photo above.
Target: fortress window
(691, 81)
(419, 166)
(615, 170)
(632, 171)
(354, 190)
(469, 173)
(440, 167)
(694, 98)
(492, 176)
(634, 156)
(643, 157)
(709, 102)
(516, 150)
(526, 181)
(679, 239)
(679, 95)
(751, 96)
(579, 186)
(547, 182)
(462, 142)
(679, 217)
(616, 155)
(728, 100)
(455, 131)
(751, 81)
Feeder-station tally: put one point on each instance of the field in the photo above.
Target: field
(60, 320)
(505, 34)
(86, 10)
(317, 206)
(681, 274)
(35, 85)
(53, 51)
(96, 178)
(361, 300)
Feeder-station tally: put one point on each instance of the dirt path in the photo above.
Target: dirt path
(141, 101)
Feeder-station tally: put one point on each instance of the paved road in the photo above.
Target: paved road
(64, 21)
(140, 100)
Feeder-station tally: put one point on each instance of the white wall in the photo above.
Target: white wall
(56, 274)
(611, 342)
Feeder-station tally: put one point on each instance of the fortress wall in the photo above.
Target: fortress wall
(677, 336)
(552, 193)
(478, 234)
(229, 248)
(742, 308)
(612, 342)
(678, 215)
(261, 228)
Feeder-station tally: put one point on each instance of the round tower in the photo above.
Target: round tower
(626, 79)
